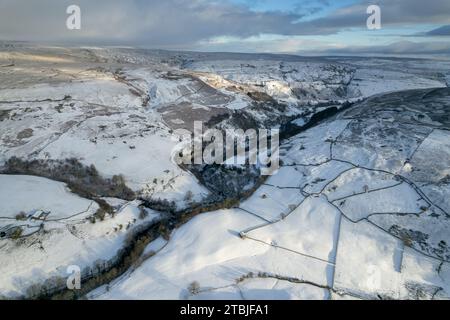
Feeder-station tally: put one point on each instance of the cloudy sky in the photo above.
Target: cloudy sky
(278, 26)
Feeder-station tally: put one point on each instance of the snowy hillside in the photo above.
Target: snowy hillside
(332, 223)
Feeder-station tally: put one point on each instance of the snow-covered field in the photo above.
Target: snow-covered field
(358, 209)
(323, 227)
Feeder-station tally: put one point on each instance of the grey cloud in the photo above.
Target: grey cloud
(153, 22)
(182, 24)
(393, 13)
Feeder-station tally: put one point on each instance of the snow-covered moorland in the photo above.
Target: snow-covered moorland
(358, 209)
